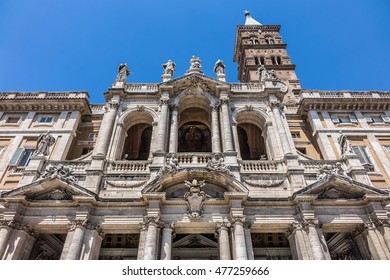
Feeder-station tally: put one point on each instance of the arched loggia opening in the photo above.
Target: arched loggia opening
(252, 146)
(137, 143)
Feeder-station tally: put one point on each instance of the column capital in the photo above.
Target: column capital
(151, 221)
(238, 220)
(8, 223)
(164, 101)
(173, 107)
(214, 108)
(381, 222)
(222, 225)
(77, 224)
(97, 228)
(224, 100)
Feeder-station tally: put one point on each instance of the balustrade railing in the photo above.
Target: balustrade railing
(189, 159)
(128, 166)
(249, 166)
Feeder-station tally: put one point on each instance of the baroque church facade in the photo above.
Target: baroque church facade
(196, 167)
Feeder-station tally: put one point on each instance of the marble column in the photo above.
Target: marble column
(76, 231)
(141, 246)
(227, 132)
(239, 239)
(92, 242)
(315, 242)
(5, 231)
(248, 241)
(377, 250)
(105, 131)
(385, 227)
(222, 231)
(151, 240)
(280, 128)
(236, 140)
(166, 242)
(22, 239)
(299, 242)
(174, 131)
(215, 138)
(162, 125)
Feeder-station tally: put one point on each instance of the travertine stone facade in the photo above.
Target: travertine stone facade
(196, 167)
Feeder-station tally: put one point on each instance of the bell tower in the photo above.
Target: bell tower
(261, 45)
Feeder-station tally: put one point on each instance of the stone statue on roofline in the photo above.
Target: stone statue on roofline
(169, 68)
(219, 67)
(123, 72)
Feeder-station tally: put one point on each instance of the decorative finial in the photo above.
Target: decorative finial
(247, 13)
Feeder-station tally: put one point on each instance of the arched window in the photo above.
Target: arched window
(137, 143)
(194, 137)
(252, 146)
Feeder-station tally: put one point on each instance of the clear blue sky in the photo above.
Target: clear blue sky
(58, 45)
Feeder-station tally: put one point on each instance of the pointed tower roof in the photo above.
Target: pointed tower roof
(249, 20)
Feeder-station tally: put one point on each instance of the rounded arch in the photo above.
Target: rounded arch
(251, 125)
(140, 120)
(214, 179)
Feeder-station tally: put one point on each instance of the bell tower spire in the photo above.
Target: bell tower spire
(258, 45)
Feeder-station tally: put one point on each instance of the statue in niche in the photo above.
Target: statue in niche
(44, 142)
(345, 144)
(195, 198)
(169, 67)
(123, 72)
(219, 67)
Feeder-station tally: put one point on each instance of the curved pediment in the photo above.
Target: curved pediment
(216, 182)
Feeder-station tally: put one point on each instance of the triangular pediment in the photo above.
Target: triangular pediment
(195, 83)
(339, 187)
(195, 241)
(49, 189)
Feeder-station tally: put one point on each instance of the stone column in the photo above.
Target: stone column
(22, 239)
(228, 139)
(239, 239)
(174, 130)
(166, 242)
(77, 228)
(92, 242)
(215, 138)
(162, 124)
(385, 228)
(248, 241)
(151, 239)
(105, 131)
(299, 242)
(141, 246)
(5, 231)
(236, 140)
(315, 242)
(377, 250)
(280, 128)
(222, 231)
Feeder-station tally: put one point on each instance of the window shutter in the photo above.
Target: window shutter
(368, 118)
(16, 157)
(385, 118)
(353, 118)
(334, 118)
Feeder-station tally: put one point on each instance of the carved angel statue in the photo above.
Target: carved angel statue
(219, 67)
(195, 63)
(44, 142)
(216, 163)
(123, 72)
(169, 67)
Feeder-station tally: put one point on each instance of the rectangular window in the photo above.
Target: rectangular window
(12, 120)
(364, 157)
(343, 118)
(377, 119)
(295, 134)
(45, 119)
(92, 135)
(21, 157)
